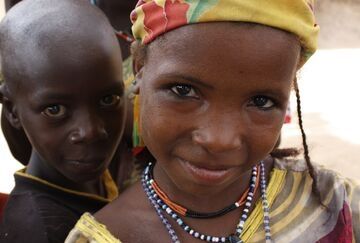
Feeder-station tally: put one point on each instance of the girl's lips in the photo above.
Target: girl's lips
(204, 174)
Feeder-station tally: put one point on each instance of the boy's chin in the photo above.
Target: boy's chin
(83, 174)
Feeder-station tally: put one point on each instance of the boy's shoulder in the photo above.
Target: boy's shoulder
(43, 210)
(22, 221)
(31, 215)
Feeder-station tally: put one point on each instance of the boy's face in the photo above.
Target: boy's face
(72, 111)
(213, 100)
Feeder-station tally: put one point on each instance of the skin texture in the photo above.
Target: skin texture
(214, 96)
(69, 96)
(118, 14)
(117, 11)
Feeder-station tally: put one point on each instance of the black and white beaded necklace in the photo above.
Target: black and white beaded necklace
(160, 206)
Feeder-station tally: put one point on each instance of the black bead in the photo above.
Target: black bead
(234, 239)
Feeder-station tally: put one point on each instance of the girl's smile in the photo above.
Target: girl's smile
(205, 174)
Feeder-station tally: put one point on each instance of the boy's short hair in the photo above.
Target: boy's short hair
(31, 29)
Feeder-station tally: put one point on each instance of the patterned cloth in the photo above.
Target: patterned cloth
(152, 18)
(295, 212)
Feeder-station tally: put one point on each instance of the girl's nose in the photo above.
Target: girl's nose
(218, 136)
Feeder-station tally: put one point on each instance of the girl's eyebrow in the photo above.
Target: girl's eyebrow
(188, 78)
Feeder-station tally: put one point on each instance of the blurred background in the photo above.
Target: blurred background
(330, 91)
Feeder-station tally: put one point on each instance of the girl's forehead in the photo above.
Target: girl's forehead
(227, 49)
(225, 34)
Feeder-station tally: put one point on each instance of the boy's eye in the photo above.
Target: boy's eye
(262, 102)
(110, 100)
(184, 90)
(55, 111)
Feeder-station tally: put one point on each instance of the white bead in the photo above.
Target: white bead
(241, 224)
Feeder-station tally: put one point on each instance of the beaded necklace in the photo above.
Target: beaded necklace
(193, 214)
(160, 205)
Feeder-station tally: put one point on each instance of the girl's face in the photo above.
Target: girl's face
(213, 99)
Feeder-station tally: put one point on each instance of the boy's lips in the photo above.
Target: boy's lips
(206, 174)
(88, 163)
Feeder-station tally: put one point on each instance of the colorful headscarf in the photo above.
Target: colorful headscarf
(152, 18)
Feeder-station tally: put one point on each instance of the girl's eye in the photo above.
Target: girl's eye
(184, 90)
(262, 102)
(110, 100)
(55, 111)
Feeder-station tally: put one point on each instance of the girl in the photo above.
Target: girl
(214, 79)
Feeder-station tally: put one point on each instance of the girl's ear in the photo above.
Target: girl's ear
(138, 66)
(9, 110)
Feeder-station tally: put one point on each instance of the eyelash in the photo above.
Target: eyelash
(46, 111)
(63, 110)
(263, 108)
(174, 88)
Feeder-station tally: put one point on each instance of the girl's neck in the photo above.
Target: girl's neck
(208, 199)
(41, 169)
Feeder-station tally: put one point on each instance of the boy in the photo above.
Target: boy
(63, 86)
(118, 15)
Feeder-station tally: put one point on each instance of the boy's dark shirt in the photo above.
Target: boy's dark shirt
(40, 212)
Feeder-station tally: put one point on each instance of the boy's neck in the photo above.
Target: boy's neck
(41, 169)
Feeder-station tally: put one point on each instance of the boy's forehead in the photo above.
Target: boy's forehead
(60, 36)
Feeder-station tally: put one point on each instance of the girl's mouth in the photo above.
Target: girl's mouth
(206, 175)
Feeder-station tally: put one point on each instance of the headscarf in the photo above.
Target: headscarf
(152, 18)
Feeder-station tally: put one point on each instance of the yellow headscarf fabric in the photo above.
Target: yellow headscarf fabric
(152, 18)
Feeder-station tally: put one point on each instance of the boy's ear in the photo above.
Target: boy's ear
(10, 111)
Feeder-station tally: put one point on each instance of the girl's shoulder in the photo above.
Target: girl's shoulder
(88, 229)
(339, 195)
(328, 180)
(129, 218)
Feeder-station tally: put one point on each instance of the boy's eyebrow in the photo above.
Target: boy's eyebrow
(48, 95)
(187, 78)
(45, 93)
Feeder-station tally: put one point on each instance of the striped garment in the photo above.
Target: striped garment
(295, 212)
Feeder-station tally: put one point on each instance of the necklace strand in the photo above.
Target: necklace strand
(193, 214)
(171, 231)
(159, 206)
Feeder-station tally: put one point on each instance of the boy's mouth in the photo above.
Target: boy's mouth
(86, 164)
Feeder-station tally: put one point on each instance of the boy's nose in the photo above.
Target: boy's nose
(89, 130)
(218, 136)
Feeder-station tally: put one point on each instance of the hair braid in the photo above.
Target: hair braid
(312, 171)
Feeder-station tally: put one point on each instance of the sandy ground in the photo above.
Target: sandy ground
(330, 84)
